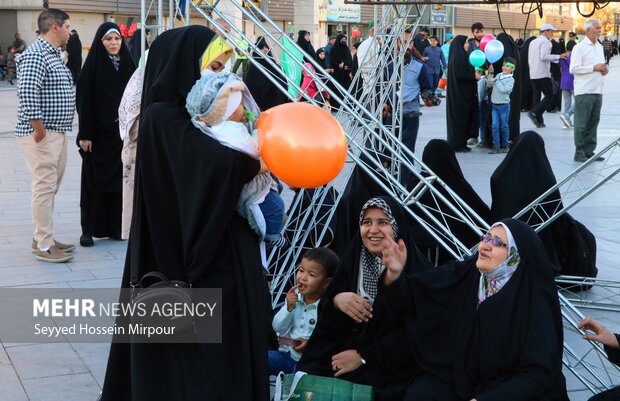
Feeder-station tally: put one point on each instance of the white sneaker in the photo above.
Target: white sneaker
(566, 121)
(472, 141)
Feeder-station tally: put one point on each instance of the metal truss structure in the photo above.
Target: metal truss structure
(374, 147)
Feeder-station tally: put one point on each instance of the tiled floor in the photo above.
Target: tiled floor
(74, 372)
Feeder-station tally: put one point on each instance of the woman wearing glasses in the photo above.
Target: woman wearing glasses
(489, 327)
(360, 334)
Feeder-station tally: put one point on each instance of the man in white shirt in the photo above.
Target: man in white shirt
(587, 64)
(367, 53)
(539, 60)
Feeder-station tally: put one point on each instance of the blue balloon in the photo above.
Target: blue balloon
(446, 50)
(494, 50)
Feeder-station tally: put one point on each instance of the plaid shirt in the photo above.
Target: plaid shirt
(45, 90)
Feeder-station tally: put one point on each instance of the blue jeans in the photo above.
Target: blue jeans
(281, 362)
(482, 110)
(500, 123)
(273, 212)
(411, 124)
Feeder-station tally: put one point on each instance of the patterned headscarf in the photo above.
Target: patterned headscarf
(371, 265)
(493, 281)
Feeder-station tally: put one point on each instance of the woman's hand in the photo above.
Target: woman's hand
(263, 167)
(356, 307)
(341, 65)
(329, 70)
(601, 333)
(87, 146)
(394, 259)
(346, 361)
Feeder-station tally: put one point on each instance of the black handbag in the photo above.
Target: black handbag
(154, 291)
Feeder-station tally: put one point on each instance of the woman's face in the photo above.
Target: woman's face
(265, 49)
(218, 64)
(322, 55)
(112, 43)
(343, 41)
(307, 36)
(374, 229)
(489, 255)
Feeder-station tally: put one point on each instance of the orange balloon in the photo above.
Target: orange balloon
(302, 144)
(442, 83)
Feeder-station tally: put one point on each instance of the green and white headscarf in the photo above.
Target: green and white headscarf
(493, 281)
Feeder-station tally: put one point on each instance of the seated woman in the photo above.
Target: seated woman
(489, 327)
(360, 335)
(441, 159)
(524, 175)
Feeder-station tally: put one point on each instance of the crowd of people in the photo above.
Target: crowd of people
(370, 306)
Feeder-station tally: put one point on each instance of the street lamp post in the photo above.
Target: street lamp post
(616, 23)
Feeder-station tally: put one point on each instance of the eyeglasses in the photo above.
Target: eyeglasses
(493, 240)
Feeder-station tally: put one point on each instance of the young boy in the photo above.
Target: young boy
(296, 320)
(435, 62)
(483, 96)
(11, 59)
(502, 85)
(567, 86)
(220, 105)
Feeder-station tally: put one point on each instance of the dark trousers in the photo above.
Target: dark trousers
(587, 116)
(411, 124)
(545, 86)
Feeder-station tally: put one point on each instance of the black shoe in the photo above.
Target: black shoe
(581, 159)
(597, 159)
(441, 96)
(463, 150)
(534, 119)
(86, 240)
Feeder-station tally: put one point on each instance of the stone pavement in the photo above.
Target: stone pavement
(74, 372)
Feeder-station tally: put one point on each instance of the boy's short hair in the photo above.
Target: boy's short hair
(324, 257)
(510, 60)
(477, 26)
(434, 38)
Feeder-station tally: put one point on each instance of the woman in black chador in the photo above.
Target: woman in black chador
(527, 95)
(342, 63)
(100, 87)
(524, 175)
(303, 41)
(186, 227)
(462, 100)
(440, 158)
(265, 93)
(135, 45)
(489, 327)
(360, 335)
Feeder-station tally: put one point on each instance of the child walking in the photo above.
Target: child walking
(11, 62)
(567, 86)
(483, 96)
(502, 85)
(296, 320)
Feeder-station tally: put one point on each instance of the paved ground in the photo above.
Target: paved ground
(74, 372)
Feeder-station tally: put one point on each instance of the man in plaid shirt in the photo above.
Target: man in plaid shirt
(45, 115)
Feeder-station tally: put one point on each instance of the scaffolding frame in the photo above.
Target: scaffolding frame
(369, 142)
